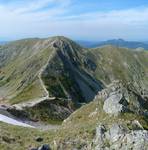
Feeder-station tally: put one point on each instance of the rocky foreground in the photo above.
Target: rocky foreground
(117, 125)
(118, 135)
(115, 119)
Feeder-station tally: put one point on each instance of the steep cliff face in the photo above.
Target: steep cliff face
(66, 75)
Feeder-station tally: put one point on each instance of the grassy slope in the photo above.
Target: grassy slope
(32, 91)
(120, 63)
(85, 116)
(19, 138)
(20, 74)
(80, 127)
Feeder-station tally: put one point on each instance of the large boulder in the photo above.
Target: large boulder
(115, 98)
(115, 104)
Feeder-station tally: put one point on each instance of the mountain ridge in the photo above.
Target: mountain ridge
(56, 45)
(34, 69)
(116, 42)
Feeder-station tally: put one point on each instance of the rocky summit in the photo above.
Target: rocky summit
(72, 98)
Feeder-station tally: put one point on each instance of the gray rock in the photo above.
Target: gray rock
(115, 97)
(115, 133)
(100, 134)
(119, 137)
(137, 140)
(115, 104)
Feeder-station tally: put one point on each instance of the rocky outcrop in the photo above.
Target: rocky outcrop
(115, 104)
(115, 98)
(121, 118)
(118, 99)
(120, 137)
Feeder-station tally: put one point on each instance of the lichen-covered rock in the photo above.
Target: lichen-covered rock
(120, 137)
(115, 133)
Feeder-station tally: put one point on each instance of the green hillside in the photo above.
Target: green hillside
(58, 61)
(34, 69)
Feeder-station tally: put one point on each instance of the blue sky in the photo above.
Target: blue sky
(77, 19)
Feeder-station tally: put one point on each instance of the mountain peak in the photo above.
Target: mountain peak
(117, 40)
(58, 38)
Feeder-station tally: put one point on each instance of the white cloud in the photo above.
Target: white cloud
(32, 20)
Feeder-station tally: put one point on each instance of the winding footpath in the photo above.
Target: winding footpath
(36, 101)
(7, 118)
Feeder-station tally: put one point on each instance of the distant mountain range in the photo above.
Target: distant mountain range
(88, 44)
(3, 42)
(115, 42)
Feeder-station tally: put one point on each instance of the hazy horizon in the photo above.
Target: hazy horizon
(81, 40)
(79, 20)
